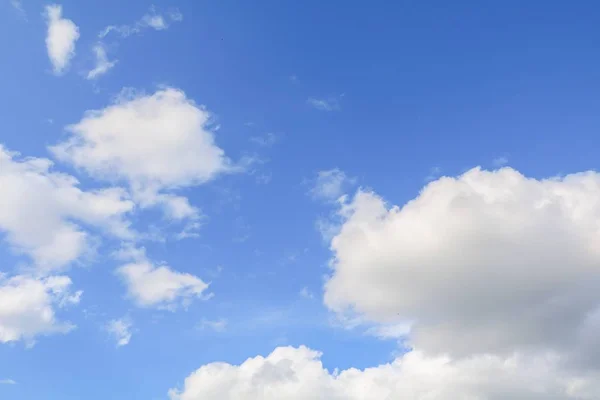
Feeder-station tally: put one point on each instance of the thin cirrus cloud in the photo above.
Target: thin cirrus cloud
(62, 34)
(103, 64)
(151, 20)
(325, 104)
(329, 185)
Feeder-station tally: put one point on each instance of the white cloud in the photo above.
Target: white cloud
(488, 262)
(39, 209)
(18, 5)
(434, 173)
(103, 65)
(61, 37)
(7, 382)
(151, 20)
(329, 104)
(330, 185)
(500, 161)
(218, 326)
(28, 307)
(306, 293)
(298, 374)
(158, 286)
(120, 330)
(156, 143)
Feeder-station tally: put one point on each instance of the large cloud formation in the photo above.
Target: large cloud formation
(486, 262)
(298, 374)
(496, 275)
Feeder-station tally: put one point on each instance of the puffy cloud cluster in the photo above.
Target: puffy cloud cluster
(492, 278)
(28, 307)
(298, 374)
(40, 210)
(156, 143)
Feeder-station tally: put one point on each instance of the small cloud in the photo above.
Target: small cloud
(329, 104)
(266, 140)
(7, 382)
(306, 293)
(120, 330)
(151, 20)
(294, 78)
(330, 185)
(218, 326)
(434, 173)
(18, 5)
(263, 179)
(61, 37)
(500, 161)
(102, 62)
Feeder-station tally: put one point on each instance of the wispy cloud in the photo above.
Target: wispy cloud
(266, 140)
(434, 173)
(306, 293)
(152, 20)
(7, 382)
(120, 330)
(102, 62)
(218, 325)
(328, 104)
(500, 161)
(330, 184)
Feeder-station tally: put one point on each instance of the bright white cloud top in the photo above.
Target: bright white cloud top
(156, 143)
(61, 37)
(158, 286)
(298, 374)
(485, 262)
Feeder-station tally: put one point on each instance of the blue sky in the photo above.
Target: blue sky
(308, 101)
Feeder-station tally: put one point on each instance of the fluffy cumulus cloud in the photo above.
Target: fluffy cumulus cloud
(156, 143)
(28, 307)
(40, 208)
(158, 286)
(491, 277)
(60, 39)
(488, 262)
(298, 374)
